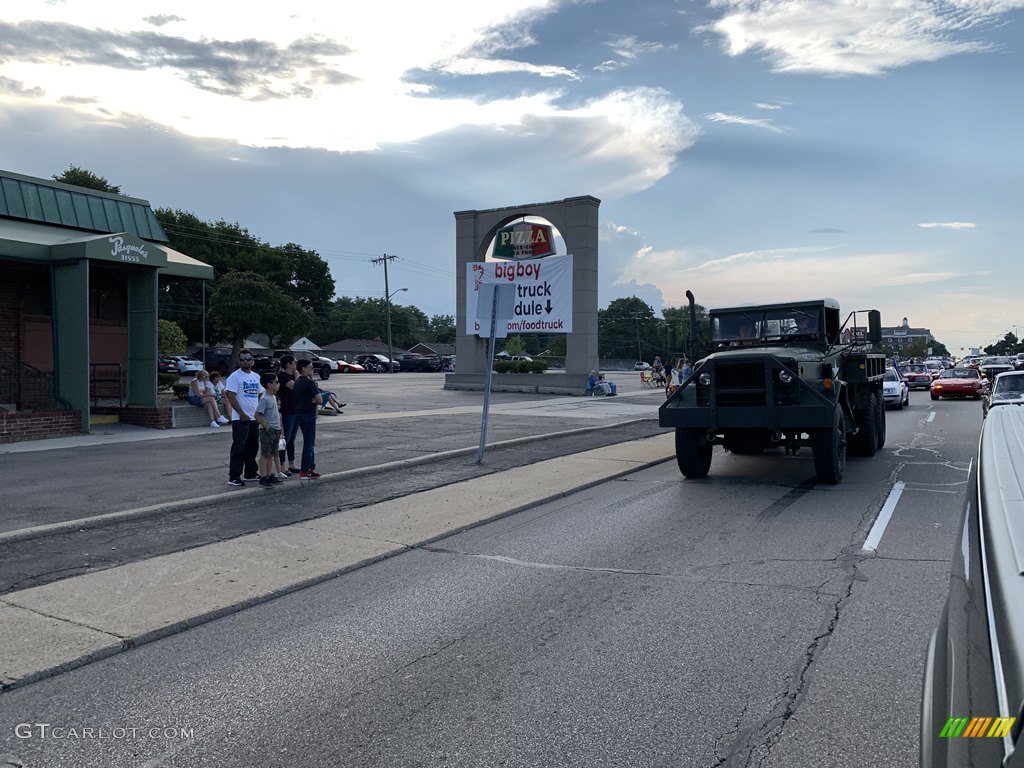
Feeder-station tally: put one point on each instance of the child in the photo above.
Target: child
(269, 419)
(218, 393)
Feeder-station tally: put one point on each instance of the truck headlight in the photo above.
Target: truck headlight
(785, 377)
(705, 379)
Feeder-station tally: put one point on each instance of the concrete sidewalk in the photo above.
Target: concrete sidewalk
(48, 629)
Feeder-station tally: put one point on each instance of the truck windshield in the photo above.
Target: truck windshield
(757, 326)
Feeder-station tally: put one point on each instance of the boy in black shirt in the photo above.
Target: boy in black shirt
(305, 401)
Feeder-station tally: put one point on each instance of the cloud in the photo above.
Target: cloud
(477, 66)
(17, 88)
(765, 105)
(629, 47)
(854, 37)
(247, 69)
(956, 225)
(72, 100)
(159, 21)
(825, 231)
(755, 122)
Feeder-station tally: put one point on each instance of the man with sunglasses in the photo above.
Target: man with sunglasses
(243, 391)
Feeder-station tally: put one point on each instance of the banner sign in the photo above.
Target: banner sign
(524, 241)
(543, 297)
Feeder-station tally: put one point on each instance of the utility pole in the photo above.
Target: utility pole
(387, 305)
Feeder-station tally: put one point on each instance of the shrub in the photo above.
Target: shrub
(520, 366)
(181, 391)
(165, 380)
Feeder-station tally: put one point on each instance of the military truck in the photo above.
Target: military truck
(782, 375)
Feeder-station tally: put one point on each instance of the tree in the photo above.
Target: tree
(515, 345)
(83, 178)
(1005, 346)
(678, 321)
(441, 329)
(245, 303)
(628, 328)
(170, 339)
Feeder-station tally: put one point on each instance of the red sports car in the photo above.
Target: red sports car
(917, 375)
(958, 382)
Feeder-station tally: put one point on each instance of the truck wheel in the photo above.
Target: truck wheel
(880, 410)
(865, 442)
(829, 448)
(693, 453)
(325, 372)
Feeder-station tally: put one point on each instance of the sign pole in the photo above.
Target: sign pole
(490, 376)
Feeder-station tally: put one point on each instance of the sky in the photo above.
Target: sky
(750, 151)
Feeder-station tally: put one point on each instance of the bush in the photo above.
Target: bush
(165, 380)
(181, 390)
(520, 366)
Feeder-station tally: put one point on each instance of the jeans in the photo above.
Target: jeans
(245, 443)
(307, 425)
(289, 428)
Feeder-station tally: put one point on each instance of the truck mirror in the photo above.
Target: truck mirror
(874, 326)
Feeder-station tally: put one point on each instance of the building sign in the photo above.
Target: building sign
(524, 241)
(123, 251)
(543, 300)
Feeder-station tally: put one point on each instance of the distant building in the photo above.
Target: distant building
(348, 349)
(903, 335)
(433, 348)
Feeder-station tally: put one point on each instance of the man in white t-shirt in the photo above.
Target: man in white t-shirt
(243, 391)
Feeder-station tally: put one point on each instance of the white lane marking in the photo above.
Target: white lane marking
(931, 416)
(875, 534)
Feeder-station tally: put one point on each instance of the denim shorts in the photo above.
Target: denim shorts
(195, 400)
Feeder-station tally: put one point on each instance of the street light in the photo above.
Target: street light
(387, 312)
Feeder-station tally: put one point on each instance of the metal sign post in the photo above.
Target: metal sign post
(501, 299)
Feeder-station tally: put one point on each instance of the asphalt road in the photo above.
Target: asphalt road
(648, 621)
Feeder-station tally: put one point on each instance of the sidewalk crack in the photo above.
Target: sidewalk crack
(10, 604)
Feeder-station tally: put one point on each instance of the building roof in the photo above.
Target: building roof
(358, 346)
(433, 348)
(47, 221)
(63, 205)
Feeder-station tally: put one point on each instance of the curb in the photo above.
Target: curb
(96, 521)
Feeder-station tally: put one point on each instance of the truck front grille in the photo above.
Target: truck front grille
(740, 384)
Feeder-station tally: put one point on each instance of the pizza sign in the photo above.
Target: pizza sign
(524, 241)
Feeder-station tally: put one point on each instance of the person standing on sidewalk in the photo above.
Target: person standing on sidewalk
(307, 399)
(243, 391)
(289, 425)
(269, 419)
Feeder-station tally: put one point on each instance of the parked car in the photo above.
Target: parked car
(973, 676)
(991, 367)
(265, 363)
(166, 365)
(934, 368)
(918, 376)
(1018, 361)
(323, 366)
(343, 366)
(640, 365)
(413, 362)
(448, 363)
(377, 363)
(188, 364)
(1007, 389)
(958, 382)
(894, 389)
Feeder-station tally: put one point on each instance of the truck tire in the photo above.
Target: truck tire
(325, 371)
(865, 442)
(880, 410)
(829, 448)
(693, 453)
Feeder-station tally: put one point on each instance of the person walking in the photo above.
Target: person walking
(290, 426)
(243, 392)
(269, 419)
(307, 399)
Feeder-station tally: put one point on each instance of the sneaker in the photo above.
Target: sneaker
(236, 483)
(272, 480)
(251, 479)
(311, 475)
(342, 405)
(214, 425)
(282, 475)
(222, 420)
(293, 470)
(265, 482)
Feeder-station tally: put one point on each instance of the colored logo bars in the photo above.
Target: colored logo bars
(975, 727)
